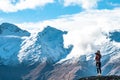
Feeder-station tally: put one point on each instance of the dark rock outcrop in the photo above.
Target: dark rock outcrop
(101, 78)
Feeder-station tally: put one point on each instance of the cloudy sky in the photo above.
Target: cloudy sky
(84, 20)
(19, 11)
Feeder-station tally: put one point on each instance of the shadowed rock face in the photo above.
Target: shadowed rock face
(101, 78)
(46, 71)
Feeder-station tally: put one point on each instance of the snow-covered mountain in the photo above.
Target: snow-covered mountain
(11, 38)
(45, 46)
(17, 46)
(42, 55)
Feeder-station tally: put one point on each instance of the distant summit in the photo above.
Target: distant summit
(112, 36)
(11, 29)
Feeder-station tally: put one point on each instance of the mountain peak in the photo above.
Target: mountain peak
(114, 36)
(49, 28)
(11, 29)
(51, 35)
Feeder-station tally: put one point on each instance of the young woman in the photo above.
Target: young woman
(98, 62)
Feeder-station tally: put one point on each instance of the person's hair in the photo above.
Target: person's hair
(98, 52)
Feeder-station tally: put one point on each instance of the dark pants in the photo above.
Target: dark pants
(98, 65)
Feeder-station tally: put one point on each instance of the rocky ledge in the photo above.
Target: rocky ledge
(101, 78)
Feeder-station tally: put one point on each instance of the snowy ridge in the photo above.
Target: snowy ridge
(10, 29)
(27, 47)
(44, 46)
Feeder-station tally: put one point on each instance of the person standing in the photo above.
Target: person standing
(98, 62)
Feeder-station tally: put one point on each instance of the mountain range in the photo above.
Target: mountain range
(42, 55)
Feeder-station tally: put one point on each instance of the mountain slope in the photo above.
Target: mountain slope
(11, 38)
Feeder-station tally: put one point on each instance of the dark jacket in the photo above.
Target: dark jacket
(97, 57)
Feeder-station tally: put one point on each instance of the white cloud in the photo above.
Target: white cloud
(25, 4)
(84, 29)
(85, 4)
(8, 6)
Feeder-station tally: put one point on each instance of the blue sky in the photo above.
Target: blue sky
(20, 11)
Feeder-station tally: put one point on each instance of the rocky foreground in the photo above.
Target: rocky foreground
(101, 78)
